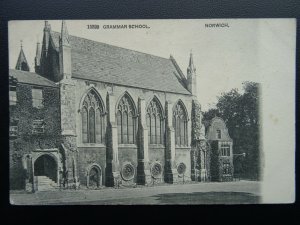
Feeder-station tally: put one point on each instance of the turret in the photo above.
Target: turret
(22, 62)
(192, 77)
(64, 52)
(43, 68)
(47, 30)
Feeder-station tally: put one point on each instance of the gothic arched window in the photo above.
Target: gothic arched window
(155, 122)
(93, 119)
(126, 121)
(180, 125)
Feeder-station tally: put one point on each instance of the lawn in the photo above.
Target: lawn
(180, 198)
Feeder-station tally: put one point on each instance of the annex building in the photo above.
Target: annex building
(93, 114)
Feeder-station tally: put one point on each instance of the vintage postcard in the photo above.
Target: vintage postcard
(152, 111)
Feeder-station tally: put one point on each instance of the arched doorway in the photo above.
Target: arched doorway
(94, 177)
(46, 165)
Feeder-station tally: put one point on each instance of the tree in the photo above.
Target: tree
(240, 112)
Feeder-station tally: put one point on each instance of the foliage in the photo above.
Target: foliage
(240, 112)
(196, 122)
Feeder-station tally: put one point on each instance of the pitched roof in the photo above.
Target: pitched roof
(31, 78)
(107, 63)
(214, 124)
(22, 63)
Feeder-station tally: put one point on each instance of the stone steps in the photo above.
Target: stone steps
(44, 183)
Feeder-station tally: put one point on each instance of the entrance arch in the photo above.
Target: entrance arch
(46, 165)
(94, 176)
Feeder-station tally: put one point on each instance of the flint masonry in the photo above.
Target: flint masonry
(93, 114)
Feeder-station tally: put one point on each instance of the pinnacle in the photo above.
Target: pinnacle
(64, 33)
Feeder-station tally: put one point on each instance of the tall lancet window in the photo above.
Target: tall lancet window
(155, 122)
(93, 119)
(126, 121)
(180, 125)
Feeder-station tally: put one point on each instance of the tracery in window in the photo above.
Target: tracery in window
(180, 125)
(155, 122)
(126, 121)
(93, 119)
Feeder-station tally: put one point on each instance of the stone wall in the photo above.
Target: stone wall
(157, 155)
(127, 153)
(88, 157)
(67, 106)
(68, 111)
(26, 141)
(183, 156)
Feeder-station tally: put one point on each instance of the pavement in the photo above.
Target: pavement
(239, 192)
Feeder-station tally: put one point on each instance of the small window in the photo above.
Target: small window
(13, 131)
(13, 127)
(37, 98)
(225, 149)
(38, 127)
(12, 95)
(218, 134)
(226, 168)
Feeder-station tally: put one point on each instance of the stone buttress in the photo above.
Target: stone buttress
(171, 174)
(143, 170)
(68, 109)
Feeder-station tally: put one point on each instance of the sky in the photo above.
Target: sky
(223, 57)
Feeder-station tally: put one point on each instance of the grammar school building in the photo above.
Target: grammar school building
(93, 114)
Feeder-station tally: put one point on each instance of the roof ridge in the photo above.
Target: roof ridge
(28, 77)
(23, 71)
(132, 67)
(116, 46)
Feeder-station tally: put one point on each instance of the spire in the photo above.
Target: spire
(191, 68)
(37, 59)
(22, 62)
(64, 34)
(191, 76)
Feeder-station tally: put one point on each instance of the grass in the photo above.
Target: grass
(181, 198)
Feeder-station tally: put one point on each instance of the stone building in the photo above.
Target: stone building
(34, 128)
(221, 150)
(95, 115)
